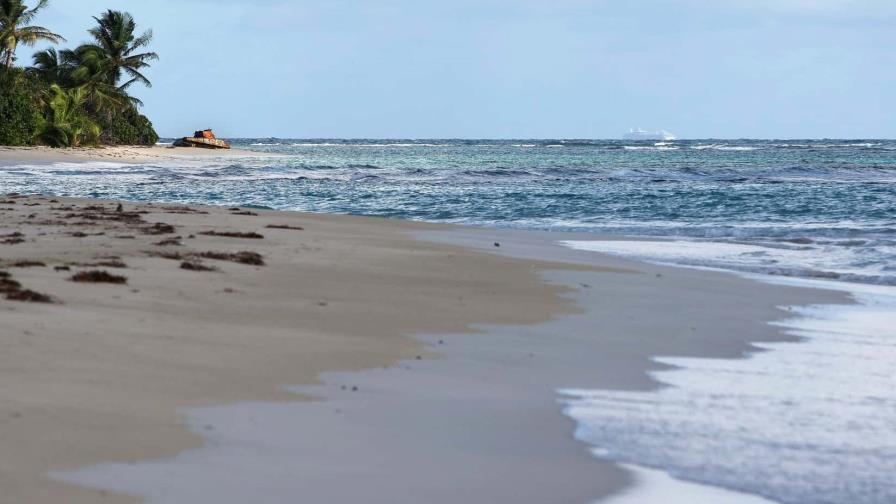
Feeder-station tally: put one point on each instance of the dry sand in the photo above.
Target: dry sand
(120, 154)
(99, 376)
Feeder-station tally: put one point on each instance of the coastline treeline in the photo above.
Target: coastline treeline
(73, 97)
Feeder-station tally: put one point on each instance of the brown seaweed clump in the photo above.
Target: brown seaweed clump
(108, 263)
(159, 228)
(285, 226)
(28, 296)
(28, 264)
(233, 234)
(170, 242)
(183, 210)
(196, 266)
(8, 285)
(13, 238)
(13, 291)
(98, 276)
(251, 258)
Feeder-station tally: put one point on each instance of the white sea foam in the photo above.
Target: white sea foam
(812, 259)
(736, 148)
(805, 422)
(73, 167)
(724, 147)
(650, 147)
(653, 486)
(328, 144)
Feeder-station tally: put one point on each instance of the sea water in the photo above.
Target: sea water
(807, 422)
(800, 208)
(812, 421)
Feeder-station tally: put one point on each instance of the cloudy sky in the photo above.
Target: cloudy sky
(521, 69)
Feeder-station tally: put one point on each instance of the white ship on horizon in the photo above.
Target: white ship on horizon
(639, 134)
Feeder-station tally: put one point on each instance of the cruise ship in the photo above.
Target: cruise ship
(639, 134)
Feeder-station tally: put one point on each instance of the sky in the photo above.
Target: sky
(512, 69)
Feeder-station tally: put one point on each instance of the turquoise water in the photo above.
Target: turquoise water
(822, 208)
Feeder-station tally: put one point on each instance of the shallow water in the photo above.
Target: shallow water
(806, 422)
(805, 208)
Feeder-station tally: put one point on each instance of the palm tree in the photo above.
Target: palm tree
(88, 68)
(118, 46)
(49, 65)
(65, 122)
(14, 17)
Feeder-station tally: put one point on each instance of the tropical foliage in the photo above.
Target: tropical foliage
(19, 112)
(65, 121)
(73, 97)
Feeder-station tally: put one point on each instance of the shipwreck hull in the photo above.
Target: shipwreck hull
(203, 143)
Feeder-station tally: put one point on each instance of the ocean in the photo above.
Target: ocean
(806, 422)
(821, 208)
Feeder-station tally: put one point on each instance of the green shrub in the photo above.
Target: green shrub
(19, 111)
(128, 128)
(65, 122)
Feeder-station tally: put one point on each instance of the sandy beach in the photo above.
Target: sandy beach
(129, 355)
(120, 154)
(391, 325)
(447, 252)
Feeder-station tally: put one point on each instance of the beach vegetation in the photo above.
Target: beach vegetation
(65, 122)
(19, 111)
(74, 97)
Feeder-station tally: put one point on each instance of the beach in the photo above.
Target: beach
(366, 359)
(435, 253)
(122, 154)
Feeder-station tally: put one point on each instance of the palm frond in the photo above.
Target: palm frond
(30, 34)
(114, 36)
(27, 15)
(46, 60)
(137, 76)
(143, 57)
(141, 41)
(14, 28)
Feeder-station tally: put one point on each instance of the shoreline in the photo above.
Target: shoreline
(616, 292)
(101, 375)
(120, 154)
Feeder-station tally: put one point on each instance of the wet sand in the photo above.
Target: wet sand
(100, 374)
(434, 355)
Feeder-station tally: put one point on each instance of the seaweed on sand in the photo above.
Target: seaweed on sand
(28, 296)
(244, 257)
(28, 264)
(234, 234)
(159, 228)
(285, 226)
(13, 291)
(196, 266)
(170, 242)
(98, 276)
